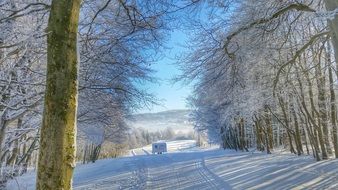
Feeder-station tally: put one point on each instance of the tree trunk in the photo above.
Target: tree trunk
(242, 138)
(317, 127)
(3, 125)
(320, 78)
(292, 150)
(58, 131)
(258, 136)
(333, 113)
(297, 134)
(302, 121)
(332, 5)
(269, 129)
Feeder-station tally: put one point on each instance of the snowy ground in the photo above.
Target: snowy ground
(187, 167)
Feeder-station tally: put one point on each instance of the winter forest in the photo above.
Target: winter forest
(264, 77)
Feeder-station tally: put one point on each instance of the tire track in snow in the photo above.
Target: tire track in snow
(138, 177)
(176, 170)
(166, 171)
(176, 174)
(213, 178)
(205, 177)
(162, 174)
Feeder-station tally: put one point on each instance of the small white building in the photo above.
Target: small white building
(159, 147)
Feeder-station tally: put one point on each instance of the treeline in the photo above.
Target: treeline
(267, 76)
(140, 137)
(92, 150)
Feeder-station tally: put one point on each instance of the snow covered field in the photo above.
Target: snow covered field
(187, 167)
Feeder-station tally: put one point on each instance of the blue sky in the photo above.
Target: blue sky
(173, 96)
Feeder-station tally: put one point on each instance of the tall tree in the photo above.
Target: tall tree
(58, 132)
(332, 5)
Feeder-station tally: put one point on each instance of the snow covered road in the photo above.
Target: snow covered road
(164, 171)
(191, 168)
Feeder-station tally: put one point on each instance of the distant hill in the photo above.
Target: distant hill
(178, 120)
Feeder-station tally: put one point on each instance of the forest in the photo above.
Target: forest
(271, 79)
(264, 76)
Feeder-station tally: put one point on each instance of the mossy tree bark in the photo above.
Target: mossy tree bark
(58, 132)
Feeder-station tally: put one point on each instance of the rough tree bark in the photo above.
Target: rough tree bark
(58, 132)
(332, 101)
(297, 134)
(321, 83)
(269, 129)
(317, 131)
(333, 113)
(332, 5)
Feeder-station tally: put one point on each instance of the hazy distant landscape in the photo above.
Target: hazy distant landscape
(178, 120)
